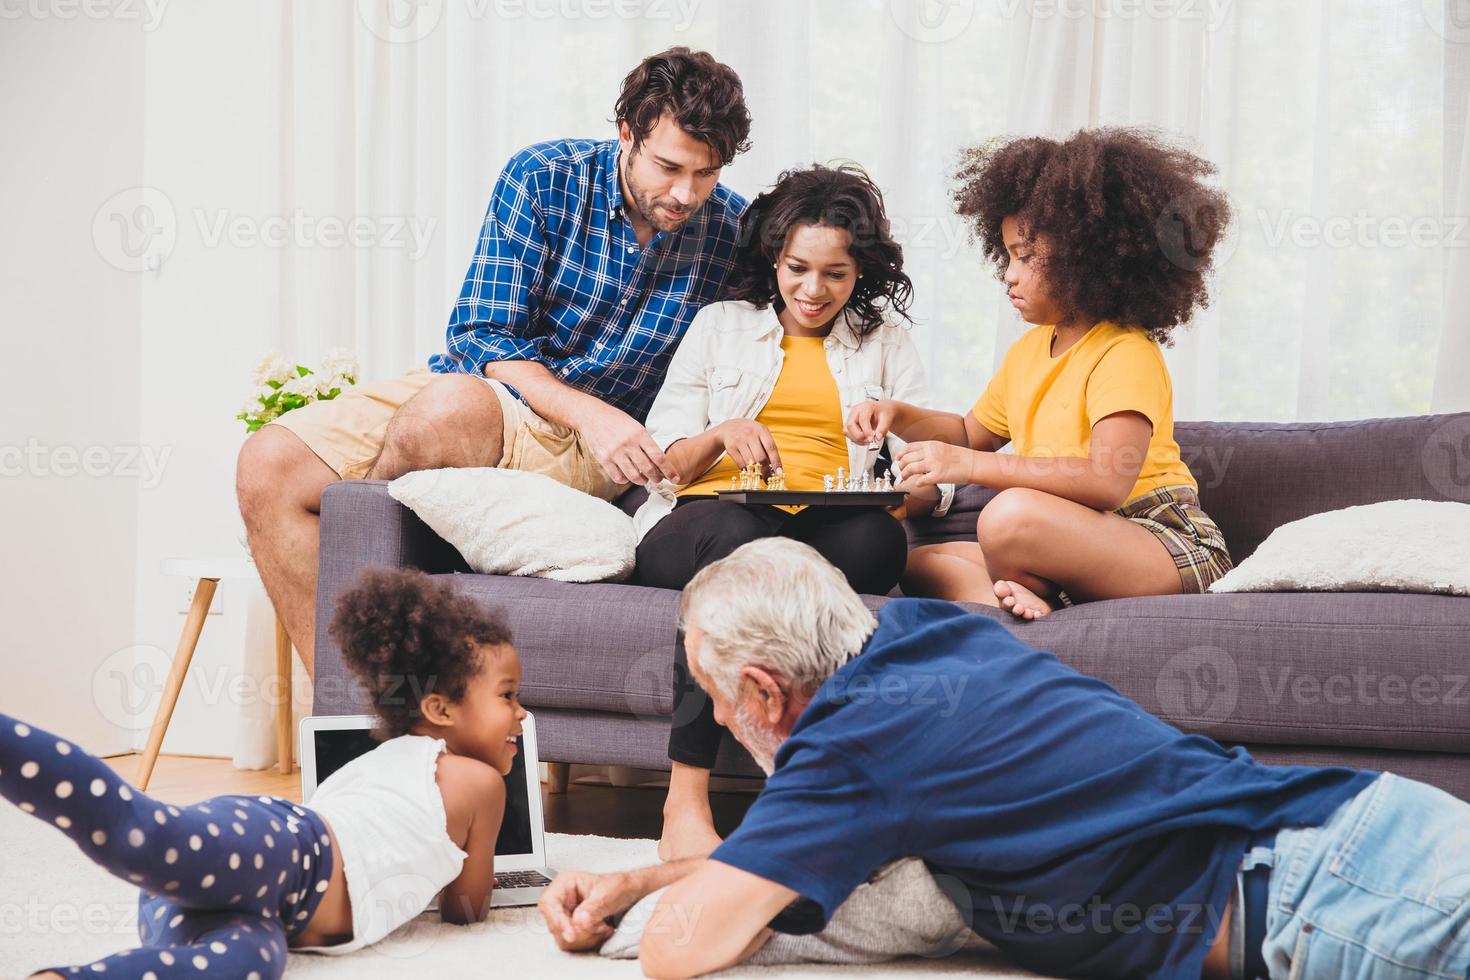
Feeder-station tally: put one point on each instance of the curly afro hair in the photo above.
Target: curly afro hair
(407, 635)
(836, 197)
(1125, 223)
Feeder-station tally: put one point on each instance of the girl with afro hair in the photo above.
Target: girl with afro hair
(228, 885)
(1104, 241)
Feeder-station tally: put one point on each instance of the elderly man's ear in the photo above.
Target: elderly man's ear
(766, 696)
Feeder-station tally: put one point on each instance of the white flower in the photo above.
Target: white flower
(338, 365)
(252, 404)
(272, 367)
(304, 386)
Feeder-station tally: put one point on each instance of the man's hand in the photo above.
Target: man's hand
(623, 448)
(576, 904)
(870, 422)
(925, 464)
(747, 441)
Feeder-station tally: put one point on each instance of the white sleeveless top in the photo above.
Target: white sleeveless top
(388, 817)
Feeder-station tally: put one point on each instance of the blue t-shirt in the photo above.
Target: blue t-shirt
(1074, 830)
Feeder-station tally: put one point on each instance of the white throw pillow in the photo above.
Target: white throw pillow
(1394, 546)
(507, 522)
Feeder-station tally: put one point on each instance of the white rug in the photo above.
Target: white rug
(56, 907)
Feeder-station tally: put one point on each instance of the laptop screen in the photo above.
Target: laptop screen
(337, 747)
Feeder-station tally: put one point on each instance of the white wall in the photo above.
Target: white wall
(205, 324)
(71, 119)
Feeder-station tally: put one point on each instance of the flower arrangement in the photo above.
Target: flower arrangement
(281, 386)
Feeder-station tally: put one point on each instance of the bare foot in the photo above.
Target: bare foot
(687, 833)
(1021, 601)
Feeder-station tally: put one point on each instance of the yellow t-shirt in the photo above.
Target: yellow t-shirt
(804, 414)
(1048, 405)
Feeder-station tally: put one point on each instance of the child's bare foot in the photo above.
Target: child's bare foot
(687, 834)
(1021, 601)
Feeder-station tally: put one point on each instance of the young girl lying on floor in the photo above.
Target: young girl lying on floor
(229, 884)
(1104, 240)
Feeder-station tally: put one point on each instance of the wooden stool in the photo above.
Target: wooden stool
(207, 573)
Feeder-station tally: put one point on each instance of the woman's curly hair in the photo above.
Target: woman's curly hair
(836, 197)
(407, 635)
(1125, 224)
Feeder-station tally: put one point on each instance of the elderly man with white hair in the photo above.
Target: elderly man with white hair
(1072, 829)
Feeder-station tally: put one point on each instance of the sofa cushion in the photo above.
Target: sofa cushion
(1254, 477)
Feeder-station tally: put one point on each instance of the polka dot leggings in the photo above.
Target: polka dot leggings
(224, 883)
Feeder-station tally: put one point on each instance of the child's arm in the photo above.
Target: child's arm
(1101, 481)
(872, 421)
(474, 805)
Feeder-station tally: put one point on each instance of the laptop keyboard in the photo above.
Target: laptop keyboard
(521, 879)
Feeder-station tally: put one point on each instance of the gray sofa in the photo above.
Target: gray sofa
(1376, 680)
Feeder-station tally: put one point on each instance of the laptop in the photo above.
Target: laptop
(329, 742)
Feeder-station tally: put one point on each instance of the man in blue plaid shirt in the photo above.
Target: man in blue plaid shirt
(593, 258)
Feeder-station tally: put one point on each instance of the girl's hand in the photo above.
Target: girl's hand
(869, 422)
(747, 441)
(925, 464)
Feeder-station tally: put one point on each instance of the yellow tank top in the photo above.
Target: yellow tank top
(804, 414)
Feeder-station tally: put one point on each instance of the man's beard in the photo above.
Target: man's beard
(648, 207)
(760, 743)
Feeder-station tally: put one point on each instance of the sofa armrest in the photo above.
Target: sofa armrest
(362, 527)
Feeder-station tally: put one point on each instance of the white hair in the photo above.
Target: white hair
(775, 604)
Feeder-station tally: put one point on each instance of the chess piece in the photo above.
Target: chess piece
(841, 482)
(828, 483)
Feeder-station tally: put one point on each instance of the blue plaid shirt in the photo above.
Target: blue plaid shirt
(558, 276)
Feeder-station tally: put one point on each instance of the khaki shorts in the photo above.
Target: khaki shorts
(348, 431)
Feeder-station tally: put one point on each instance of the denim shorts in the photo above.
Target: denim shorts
(1380, 890)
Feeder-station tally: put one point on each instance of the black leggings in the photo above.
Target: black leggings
(869, 547)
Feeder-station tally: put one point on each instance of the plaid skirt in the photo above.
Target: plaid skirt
(1173, 515)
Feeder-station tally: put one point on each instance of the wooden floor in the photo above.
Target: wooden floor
(608, 811)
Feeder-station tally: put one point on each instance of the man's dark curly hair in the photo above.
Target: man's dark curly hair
(837, 197)
(407, 635)
(704, 96)
(1124, 225)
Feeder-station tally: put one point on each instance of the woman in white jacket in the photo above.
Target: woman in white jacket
(767, 377)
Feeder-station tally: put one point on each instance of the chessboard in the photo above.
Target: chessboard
(816, 498)
(842, 490)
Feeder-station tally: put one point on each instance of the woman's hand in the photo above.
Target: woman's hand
(869, 422)
(747, 441)
(925, 464)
